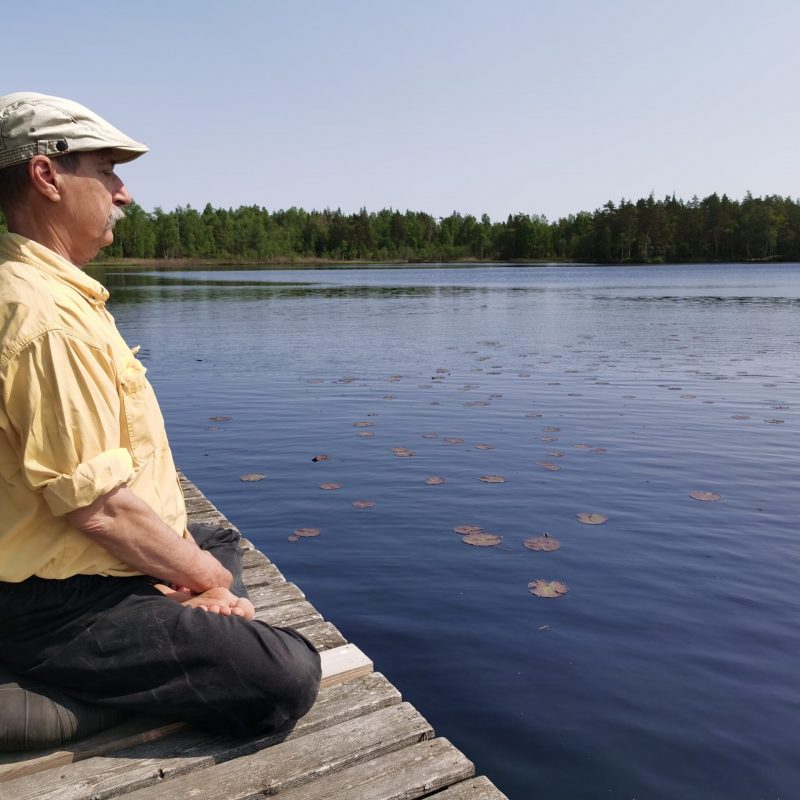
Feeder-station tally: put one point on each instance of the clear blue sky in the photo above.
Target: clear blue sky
(539, 106)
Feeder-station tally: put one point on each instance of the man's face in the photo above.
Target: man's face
(93, 200)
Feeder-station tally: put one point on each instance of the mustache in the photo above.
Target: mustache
(114, 216)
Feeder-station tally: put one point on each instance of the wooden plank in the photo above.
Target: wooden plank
(262, 575)
(473, 789)
(101, 778)
(300, 760)
(274, 594)
(254, 558)
(292, 615)
(404, 775)
(125, 734)
(324, 635)
(343, 664)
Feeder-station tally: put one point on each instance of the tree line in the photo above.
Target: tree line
(643, 231)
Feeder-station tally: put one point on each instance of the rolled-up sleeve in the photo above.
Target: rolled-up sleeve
(64, 411)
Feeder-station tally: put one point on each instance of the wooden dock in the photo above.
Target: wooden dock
(360, 741)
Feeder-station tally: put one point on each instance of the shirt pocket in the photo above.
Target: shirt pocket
(142, 416)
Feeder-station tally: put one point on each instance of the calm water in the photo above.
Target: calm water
(670, 669)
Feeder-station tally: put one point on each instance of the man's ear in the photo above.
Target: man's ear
(45, 179)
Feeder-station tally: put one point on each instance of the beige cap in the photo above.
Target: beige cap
(37, 124)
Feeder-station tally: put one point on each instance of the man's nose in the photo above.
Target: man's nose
(122, 196)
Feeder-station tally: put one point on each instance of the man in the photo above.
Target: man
(103, 591)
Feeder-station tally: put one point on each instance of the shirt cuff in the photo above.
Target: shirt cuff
(90, 480)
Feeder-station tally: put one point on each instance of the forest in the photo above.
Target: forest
(648, 231)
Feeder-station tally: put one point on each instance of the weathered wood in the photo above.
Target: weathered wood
(293, 615)
(254, 558)
(125, 734)
(324, 635)
(102, 778)
(274, 594)
(343, 664)
(300, 760)
(473, 789)
(404, 775)
(262, 575)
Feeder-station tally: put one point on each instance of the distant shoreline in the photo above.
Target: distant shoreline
(286, 262)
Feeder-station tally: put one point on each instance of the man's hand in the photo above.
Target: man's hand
(214, 601)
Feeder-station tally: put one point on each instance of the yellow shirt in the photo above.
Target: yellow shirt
(78, 418)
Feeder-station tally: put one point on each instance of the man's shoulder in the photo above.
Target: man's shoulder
(27, 306)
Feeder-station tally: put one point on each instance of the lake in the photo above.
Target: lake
(670, 666)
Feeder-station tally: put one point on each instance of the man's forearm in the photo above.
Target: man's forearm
(128, 528)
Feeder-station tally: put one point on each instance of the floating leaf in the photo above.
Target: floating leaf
(544, 542)
(533, 415)
(220, 419)
(556, 454)
(331, 486)
(306, 532)
(321, 457)
(363, 504)
(362, 424)
(213, 428)
(551, 428)
(549, 465)
(708, 497)
(492, 479)
(543, 588)
(591, 519)
(741, 416)
(463, 529)
(482, 539)
(548, 438)
(430, 435)
(484, 447)
(293, 538)
(453, 440)
(365, 434)
(403, 452)
(582, 446)
(252, 477)
(601, 450)
(435, 480)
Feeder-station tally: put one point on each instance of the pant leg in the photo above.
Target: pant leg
(119, 642)
(223, 544)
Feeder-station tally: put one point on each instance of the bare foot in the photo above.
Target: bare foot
(215, 601)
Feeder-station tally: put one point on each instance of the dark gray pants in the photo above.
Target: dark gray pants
(120, 642)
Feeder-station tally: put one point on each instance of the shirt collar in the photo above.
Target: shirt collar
(19, 248)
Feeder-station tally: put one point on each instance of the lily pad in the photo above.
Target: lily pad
(543, 588)
(331, 486)
(492, 479)
(453, 440)
(482, 539)
(591, 519)
(484, 447)
(464, 529)
(253, 477)
(741, 416)
(430, 435)
(403, 452)
(365, 434)
(582, 446)
(362, 424)
(220, 419)
(435, 480)
(363, 504)
(544, 542)
(549, 465)
(551, 428)
(306, 532)
(548, 438)
(321, 457)
(708, 497)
